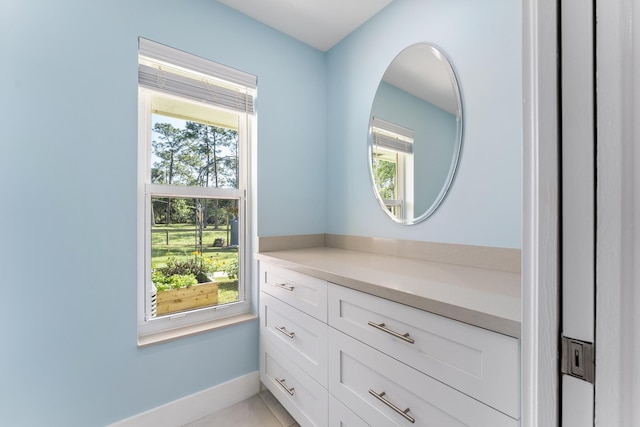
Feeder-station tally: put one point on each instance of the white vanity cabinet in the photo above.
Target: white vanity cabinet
(479, 363)
(385, 392)
(301, 337)
(394, 365)
(307, 294)
(293, 342)
(303, 397)
(341, 416)
(336, 356)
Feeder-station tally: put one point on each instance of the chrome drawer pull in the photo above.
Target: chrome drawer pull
(383, 328)
(284, 386)
(284, 331)
(284, 287)
(392, 406)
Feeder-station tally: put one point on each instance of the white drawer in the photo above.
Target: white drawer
(305, 399)
(306, 293)
(480, 363)
(341, 416)
(301, 337)
(357, 372)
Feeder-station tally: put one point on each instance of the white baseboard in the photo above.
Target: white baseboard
(197, 405)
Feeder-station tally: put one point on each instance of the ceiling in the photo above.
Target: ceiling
(318, 23)
(324, 23)
(422, 71)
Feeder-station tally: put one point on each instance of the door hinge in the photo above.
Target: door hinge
(578, 359)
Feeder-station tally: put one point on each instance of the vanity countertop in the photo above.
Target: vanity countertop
(485, 298)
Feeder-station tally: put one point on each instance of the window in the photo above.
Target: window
(195, 120)
(385, 172)
(392, 166)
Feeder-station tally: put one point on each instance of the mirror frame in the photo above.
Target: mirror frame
(455, 160)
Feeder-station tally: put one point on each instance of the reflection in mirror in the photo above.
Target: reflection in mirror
(415, 133)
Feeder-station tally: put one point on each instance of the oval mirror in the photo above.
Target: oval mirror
(415, 133)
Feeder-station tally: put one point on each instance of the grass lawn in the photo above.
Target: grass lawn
(227, 291)
(182, 242)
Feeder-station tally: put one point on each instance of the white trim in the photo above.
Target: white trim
(540, 314)
(618, 214)
(144, 228)
(578, 200)
(578, 174)
(198, 319)
(164, 335)
(197, 405)
(163, 190)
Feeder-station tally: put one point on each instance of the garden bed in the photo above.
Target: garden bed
(196, 296)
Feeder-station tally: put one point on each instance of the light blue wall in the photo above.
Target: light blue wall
(68, 100)
(68, 114)
(483, 41)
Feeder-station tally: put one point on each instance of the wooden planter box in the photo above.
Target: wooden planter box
(196, 296)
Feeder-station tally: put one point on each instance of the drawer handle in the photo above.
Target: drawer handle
(284, 287)
(392, 406)
(284, 331)
(383, 328)
(284, 386)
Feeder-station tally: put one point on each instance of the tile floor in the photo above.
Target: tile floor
(262, 410)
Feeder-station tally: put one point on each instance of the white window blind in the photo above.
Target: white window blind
(168, 70)
(391, 136)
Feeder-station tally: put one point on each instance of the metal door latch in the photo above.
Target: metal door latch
(578, 359)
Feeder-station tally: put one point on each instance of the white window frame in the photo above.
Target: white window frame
(153, 329)
(397, 140)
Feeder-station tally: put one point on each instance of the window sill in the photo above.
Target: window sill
(198, 328)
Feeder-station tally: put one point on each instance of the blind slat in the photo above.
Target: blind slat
(392, 127)
(175, 72)
(391, 136)
(194, 89)
(385, 141)
(170, 55)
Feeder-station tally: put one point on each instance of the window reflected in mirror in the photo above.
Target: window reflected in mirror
(392, 166)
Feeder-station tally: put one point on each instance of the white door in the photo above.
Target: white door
(618, 214)
(578, 207)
